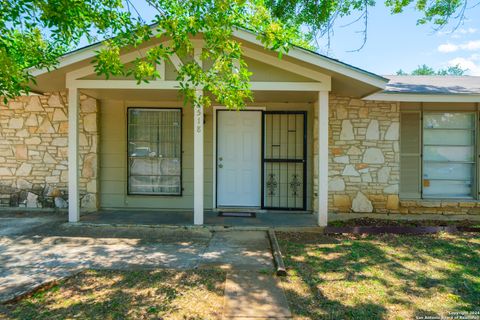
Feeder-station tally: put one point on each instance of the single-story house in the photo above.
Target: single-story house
(321, 136)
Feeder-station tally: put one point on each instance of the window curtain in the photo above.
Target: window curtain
(154, 151)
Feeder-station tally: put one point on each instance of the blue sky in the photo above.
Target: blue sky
(395, 42)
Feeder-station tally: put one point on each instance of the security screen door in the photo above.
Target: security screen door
(284, 160)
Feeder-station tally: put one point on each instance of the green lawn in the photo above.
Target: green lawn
(159, 294)
(381, 276)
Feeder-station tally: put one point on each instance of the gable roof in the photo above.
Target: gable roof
(433, 84)
(430, 88)
(344, 76)
(321, 61)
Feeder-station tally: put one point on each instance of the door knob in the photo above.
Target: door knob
(220, 165)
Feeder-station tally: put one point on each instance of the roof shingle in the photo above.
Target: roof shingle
(433, 85)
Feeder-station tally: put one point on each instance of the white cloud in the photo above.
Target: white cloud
(467, 46)
(471, 45)
(472, 67)
(461, 32)
(475, 57)
(467, 31)
(447, 47)
(458, 33)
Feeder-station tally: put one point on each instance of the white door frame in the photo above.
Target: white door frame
(214, 171)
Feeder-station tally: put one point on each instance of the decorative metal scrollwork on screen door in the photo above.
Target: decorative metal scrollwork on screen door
(284, 160)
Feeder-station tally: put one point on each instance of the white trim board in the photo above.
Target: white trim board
(295, 52)
(321, 61)
(174, 85)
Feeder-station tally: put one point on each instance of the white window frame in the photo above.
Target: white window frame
(474, 191)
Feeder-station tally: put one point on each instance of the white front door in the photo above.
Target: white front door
(239, 144)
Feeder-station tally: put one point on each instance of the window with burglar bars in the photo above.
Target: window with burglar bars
(154, 151)
(284, 160)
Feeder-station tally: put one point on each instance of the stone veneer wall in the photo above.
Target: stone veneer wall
(363, 155)
(444, 207)
(34, 150)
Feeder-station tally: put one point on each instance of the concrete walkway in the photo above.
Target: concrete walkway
(36, 251)
(250, 295)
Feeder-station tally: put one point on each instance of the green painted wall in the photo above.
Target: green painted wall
(113, 157)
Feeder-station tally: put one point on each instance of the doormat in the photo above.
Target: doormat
(237, 214)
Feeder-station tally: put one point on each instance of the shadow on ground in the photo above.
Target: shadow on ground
(381, 277)
(46, 251)
(151, 294)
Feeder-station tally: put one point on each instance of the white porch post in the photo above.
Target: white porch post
(198, 163)
(322, 214)
(73, 171)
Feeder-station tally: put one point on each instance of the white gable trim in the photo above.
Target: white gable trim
(320, 80)
(320, 61)
(72, 57)
(288, 66)
(297, 53)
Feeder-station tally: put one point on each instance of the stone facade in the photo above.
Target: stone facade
(34, 150)
(363, 155)
(444, 207)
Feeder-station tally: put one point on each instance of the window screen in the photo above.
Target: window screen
(154, 151)
(448, 154)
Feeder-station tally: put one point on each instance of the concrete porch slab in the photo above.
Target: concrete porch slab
(262, 221)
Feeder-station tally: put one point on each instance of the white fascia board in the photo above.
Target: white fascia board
(295, 52)
(72, 57)
(410, 97)
(320, 61)
(288, 66)
(288, 86)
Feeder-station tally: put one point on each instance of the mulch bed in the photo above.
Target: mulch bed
(378, 226)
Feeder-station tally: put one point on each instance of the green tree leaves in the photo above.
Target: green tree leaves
(35, 33)
(55, 26)
(425, 70)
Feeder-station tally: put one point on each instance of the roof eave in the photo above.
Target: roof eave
(89, 52)
(423, 97)
(322, 61)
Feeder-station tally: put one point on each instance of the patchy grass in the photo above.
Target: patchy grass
(381, 276)
(159, 294)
